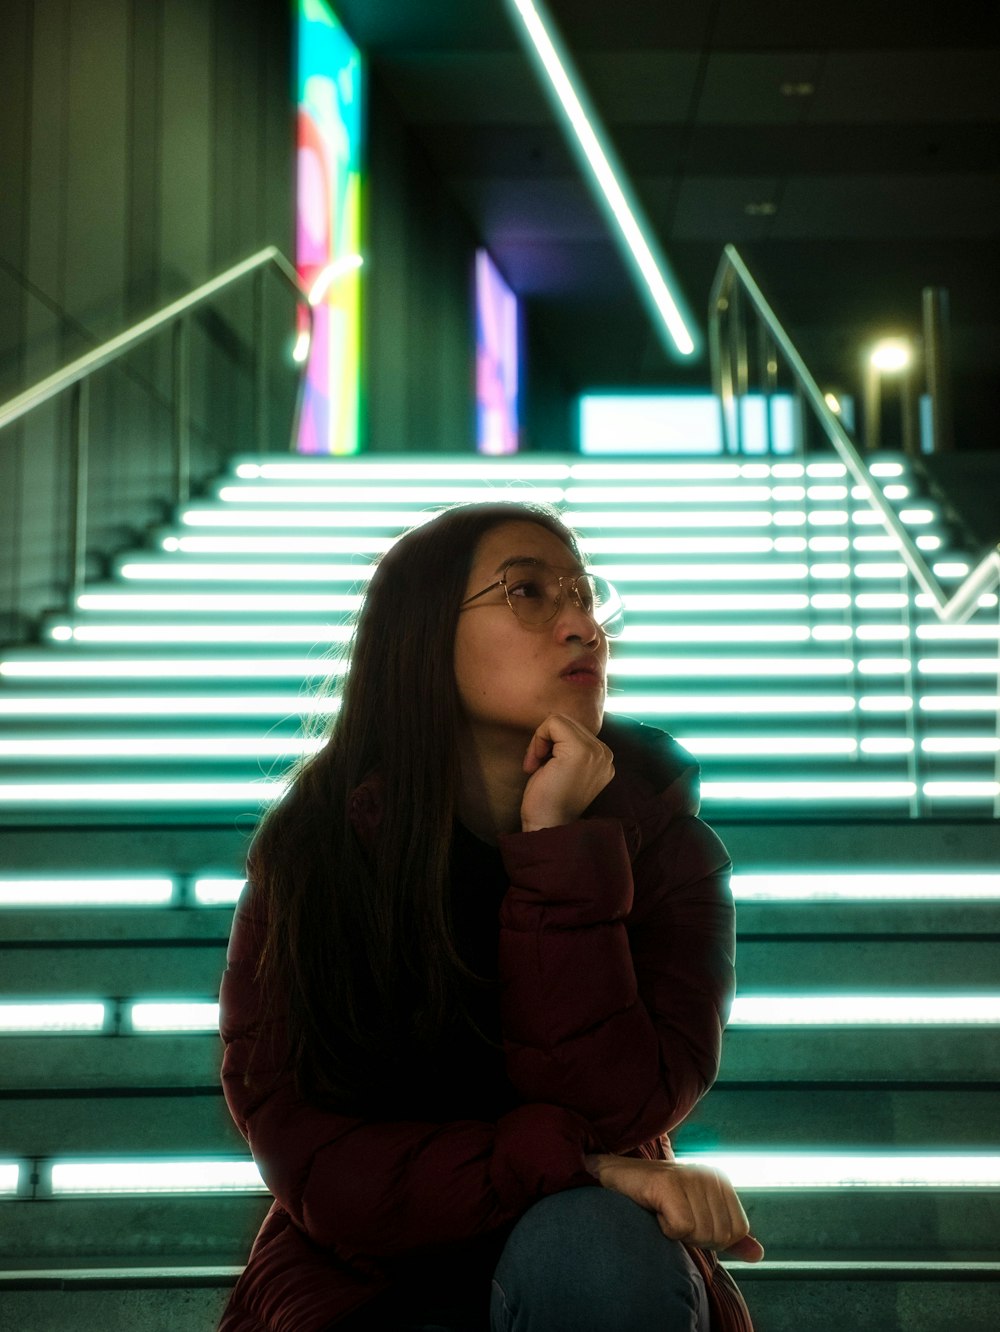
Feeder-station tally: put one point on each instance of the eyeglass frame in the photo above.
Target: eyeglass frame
(571, 579)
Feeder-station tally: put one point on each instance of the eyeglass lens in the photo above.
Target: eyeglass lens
(535, 594)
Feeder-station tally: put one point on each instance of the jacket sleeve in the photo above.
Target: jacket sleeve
(617, 978)
(379, 1189)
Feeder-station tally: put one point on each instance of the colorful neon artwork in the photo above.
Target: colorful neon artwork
(497, 371)
(328, 227)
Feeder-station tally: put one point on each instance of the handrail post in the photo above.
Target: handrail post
(182, 410)
(260, 422)
(78, 473)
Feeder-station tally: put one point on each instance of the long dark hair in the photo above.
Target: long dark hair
(351, 867)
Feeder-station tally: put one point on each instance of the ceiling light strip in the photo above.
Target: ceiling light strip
(853, 1170)
(866, 885)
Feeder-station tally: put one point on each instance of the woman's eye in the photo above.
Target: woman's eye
(528, 588)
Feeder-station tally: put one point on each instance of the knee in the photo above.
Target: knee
(590, 1258)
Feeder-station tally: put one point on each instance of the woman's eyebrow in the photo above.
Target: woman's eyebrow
(575, 569)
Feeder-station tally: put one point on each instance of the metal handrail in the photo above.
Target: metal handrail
(732, 270)
(109, 351)
(76, 378)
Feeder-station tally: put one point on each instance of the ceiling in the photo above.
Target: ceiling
(850, 151)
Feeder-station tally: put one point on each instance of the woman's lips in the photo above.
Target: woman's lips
(583, 675)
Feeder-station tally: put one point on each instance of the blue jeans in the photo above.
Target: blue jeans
(587, 1260)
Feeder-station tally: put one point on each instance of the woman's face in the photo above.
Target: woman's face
(510, 675)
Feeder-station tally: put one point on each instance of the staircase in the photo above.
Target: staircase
(850, 753)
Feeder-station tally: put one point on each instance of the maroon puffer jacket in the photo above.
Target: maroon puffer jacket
(635, 898)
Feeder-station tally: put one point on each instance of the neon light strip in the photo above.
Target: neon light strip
(398, 519)
(715, 633)
(199, 602)
(139, 793)
(203, 633)
(244, 705)
(960, 790)
(56, 1018)
(958, 666)
(85, 892)
(177, 1016)
(162, 746)
(961, 745)
(762, 746)
(807, 790)
(622, 209)
(866, 886)
(10, 1174)
(961, 703)
(171, 1176)
(177, 571)
(718, 601)
(702, 573)
(217, 892)
(853, 1170)
(886, 745)
(959, 633)
(399, 470)
(665, 495)
(865, 1010)
(669, 545)
(179, 668)
(278, 545)
(743, 666)
(582, 521)
(342, 495)
(686, 705)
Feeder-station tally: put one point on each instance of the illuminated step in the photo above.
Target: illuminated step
(865, 885)
(55, 1016)
(800, 790)
(204, 668)
(277, 545)
(751, 1170)
(201, 633)
(236, 603)
(398, 519)
(111, 891)
(162, 746)
(181, 705)
(406, 466)
(391, 494)
(403, 469)
(224, 572)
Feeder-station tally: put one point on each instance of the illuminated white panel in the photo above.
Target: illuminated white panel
(279, 545)
(826, 493)
(886, 469)
(716, 601)
(808, 790)
(831, 633)
(827, 517)
(9, 1176)
(852, 1170)
(715, 633)
(226, 602)
(883, 666)
(818, 469)
(669, 545)
(687, 705)
(881, 600)
(960, 703)
(582, 520)
(170, 571)
(882, 633)
(259, 705)
(199, 668)
(958, 666)
(959, 790)
(655, 471)
(865, 1010)
(758, 470)
(162, 746)
(58, 1018)
(830, 571)
(962, 744)
(742, 666)
(666, 495)
(866, 886)
(916, 517)
(867, 518)
(886, 703)
(174, 1016)
(138, 793)
(158, 1176)
(343, 471)
(217, 892)
(959, 633)
(827, 545)
(895, 492)
(950, 569)
(85, 892)
(927, 542)
(830, 601)
(341, 495)
(789, 518)
(701, 573)
(787, 544)
(729, 746)
(297, 519)
(885, 570)
(883, 744)
(208, 633)
(784, 469)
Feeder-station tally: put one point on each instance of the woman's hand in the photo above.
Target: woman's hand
(692, 1203)
(568, 767)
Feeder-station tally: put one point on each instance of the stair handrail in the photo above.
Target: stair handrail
(732, 270)
(113, 348)
(76, 378)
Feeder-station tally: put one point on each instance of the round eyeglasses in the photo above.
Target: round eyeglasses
(534, 592)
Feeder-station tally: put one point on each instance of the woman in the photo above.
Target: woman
(481, 967)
